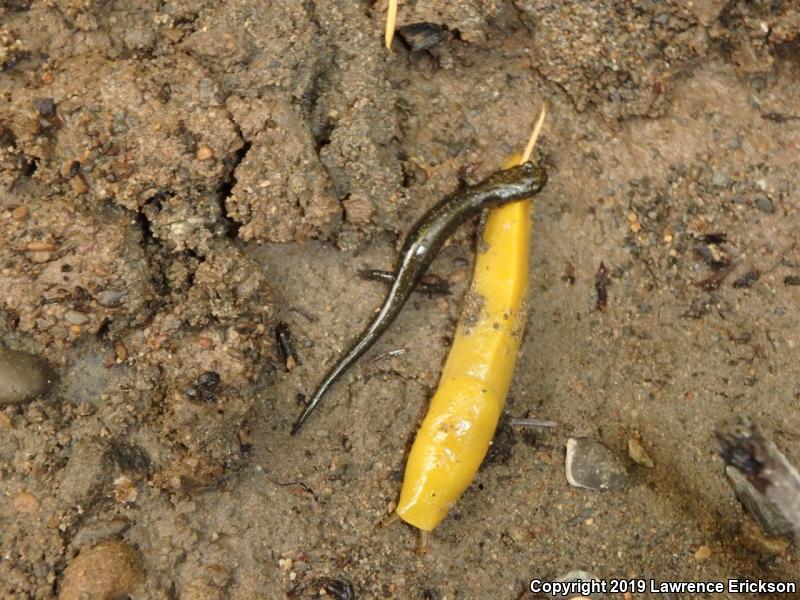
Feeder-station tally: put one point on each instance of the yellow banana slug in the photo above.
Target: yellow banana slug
(455, 435)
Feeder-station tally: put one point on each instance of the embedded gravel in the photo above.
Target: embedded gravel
(179, 177)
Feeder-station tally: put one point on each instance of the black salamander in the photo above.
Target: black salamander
(421, 246)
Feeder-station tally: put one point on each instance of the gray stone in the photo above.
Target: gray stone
(8, 445)
(93, 462)
(592, 466)
(720, 180)
(87, 471)
(23, 376)
(91, 533)
(764, 204)
(110, 298)
(76, 317)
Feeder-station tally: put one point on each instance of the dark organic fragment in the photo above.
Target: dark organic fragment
(204, 387)
(777, 117)
(791, 280)
(286, 348)
(747, 280)
(338, 589)
(713, 281)
(422, 36)
(746, 449)
(770, 520)
(715, 238)
(601, 281)
(569, 273)
(45, 107)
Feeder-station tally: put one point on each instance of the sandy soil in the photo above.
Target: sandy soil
(178, 177)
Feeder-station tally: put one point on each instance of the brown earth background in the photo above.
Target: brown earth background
(176, 177)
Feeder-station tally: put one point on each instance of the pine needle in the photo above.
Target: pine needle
(391, 19)
(535, 135)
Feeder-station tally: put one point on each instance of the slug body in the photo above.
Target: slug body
(453, 439)
(420, 248)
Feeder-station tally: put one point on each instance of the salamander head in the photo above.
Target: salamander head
(518, 182)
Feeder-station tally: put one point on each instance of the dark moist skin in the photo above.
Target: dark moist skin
(420, 248)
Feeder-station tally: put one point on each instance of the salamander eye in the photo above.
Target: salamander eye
(528, 167)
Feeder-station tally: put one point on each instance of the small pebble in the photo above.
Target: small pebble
(120, 352)
(702, 553)
(720, 180)
(592, 466)
(517, 534)
(25, 502)
(40, 256)
(358, 209)
(125, 490)
(45, 106)
(39, 246)
(204, 152)
(87, 471)
(8, 446)
(638, 454)
(23, 376)
(173, 34)
(754, 539)
(110, 298)
(78, 185)
(75, 317)
(93, 532)
(107, 571)
(764, 204)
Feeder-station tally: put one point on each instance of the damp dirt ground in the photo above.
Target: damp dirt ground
(176, 178)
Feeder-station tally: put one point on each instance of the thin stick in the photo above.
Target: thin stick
(390, 354)
(391, 19)
(748, 450)
(532, 423)
(535, 135)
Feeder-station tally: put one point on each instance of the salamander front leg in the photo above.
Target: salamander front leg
(431, 284)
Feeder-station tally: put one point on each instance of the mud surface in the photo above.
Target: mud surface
(179, 177)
